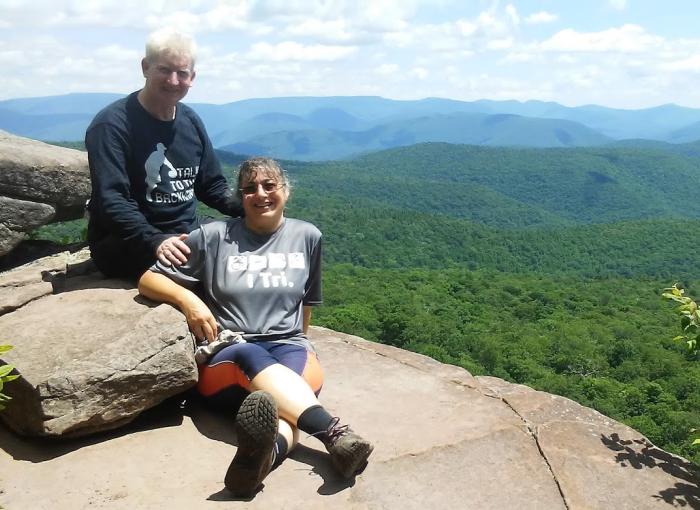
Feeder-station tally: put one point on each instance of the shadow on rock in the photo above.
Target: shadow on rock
(210, 422)
(94, 281)
(33, 249)
(641, 454)
(321, 465)
(166, 414)
(217, 424)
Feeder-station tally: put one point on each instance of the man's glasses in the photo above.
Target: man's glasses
(182, 74)
(267, 186)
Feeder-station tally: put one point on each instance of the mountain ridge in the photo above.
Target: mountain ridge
(251, 123)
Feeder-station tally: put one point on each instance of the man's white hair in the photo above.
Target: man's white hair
(170, 41)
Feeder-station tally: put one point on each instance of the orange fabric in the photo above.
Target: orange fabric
(213, 379)
(313, 373)
(222, 375)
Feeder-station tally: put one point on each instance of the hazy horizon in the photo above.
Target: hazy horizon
(521, 101)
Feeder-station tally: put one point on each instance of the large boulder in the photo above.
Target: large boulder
(91, 353)
(39, 183)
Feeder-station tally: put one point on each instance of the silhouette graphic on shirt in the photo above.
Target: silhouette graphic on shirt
(153, 165)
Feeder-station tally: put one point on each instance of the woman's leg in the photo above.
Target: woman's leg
(298, 404)
(292, 393)
(292, 377)
(287, 439)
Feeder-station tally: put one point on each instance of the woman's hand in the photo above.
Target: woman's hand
(161, 288)
(199, 319)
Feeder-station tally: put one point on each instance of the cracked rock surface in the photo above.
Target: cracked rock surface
(443, 439)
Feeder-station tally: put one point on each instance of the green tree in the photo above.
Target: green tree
(690, 323)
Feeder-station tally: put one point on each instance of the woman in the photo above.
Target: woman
(259, 275)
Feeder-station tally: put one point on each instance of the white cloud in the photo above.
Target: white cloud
(587, 76)
(419, 72)
(512, 13)
(500, 44)
(197, 16)
(626, 39)
(566, 59)
(619, 5)
(689, 64)
(339, 31)
(114, 53)
(336, 30)
(290, 50)
(492, 29)
(541, 18)
(364, 15)
(518, 58)
(490, 24)
(466, 28)
(387, 69)
(258, 48)
(47, 65)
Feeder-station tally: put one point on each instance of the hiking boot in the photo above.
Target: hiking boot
(349, 451)
(256, 430)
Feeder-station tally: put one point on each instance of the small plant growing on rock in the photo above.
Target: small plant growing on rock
(690, 324)
(690, 318)
(5, 376)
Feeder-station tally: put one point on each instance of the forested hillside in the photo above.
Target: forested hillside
(517, 187)
(539, 266)
(543, 267)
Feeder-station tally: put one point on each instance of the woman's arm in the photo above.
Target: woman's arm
(200, 320)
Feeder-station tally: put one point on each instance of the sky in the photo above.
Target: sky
(617, 53)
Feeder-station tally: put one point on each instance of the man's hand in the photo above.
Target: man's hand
(173, 250)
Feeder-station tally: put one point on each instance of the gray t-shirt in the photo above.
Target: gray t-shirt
(254, 283)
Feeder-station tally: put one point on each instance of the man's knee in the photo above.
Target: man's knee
(114, 259)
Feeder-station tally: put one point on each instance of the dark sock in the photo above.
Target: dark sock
(314, 421)
(279, 452)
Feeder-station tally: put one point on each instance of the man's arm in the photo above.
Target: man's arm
(200, 320)
(112, 202)
(312, 292)
(210, 185)
(307, 319)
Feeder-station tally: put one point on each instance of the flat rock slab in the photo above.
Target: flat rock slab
(586, 449)
(442, 439)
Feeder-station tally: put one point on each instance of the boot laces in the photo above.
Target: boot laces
(335, 431)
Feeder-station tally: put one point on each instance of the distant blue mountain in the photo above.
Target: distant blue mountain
(686, 134)
(332, 127)
(58, 127)
(55, 118)
(457, 128)
(87, 103)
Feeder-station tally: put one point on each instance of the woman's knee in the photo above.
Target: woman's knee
(313, 373)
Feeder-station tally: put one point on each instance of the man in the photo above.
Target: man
(150, 160)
